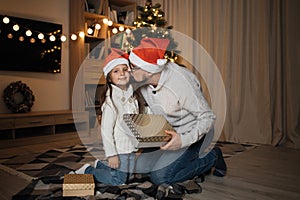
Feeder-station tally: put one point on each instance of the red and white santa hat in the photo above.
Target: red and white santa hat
(149, 55)
(116, 57)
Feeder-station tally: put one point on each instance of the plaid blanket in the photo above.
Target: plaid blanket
(46, 171)
(50, 187)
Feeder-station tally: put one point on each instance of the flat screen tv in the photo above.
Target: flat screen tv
(20, 51)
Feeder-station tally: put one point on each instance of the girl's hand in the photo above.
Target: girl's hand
(138, 153)
(113, 162)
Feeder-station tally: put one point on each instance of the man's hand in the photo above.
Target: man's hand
(113, 162)
(174, 143)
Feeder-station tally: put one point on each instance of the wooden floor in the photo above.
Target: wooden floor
(264, 172)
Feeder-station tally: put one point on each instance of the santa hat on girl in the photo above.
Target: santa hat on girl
(116, 57)
(149, 55)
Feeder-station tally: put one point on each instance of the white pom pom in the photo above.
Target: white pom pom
(161, 62)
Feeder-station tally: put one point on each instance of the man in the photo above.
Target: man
(175, 93)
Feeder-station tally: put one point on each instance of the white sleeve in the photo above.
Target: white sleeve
(108, 122)
(201, 116)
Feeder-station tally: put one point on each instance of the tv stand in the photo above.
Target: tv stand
(13, 126)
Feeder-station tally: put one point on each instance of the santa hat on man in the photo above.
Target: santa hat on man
(116, 57)
(149, 55)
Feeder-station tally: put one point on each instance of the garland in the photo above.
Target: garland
(18, 97)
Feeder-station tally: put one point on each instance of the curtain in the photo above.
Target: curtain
(291, 72)
(255, 45)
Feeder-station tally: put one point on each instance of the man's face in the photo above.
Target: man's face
(139, 74)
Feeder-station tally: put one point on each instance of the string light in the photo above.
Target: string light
(73, 37)
(6, 20)
(16, 27)
(128, 31)
(52, 38)
(97, 26)
(10, 36)
(90, 31)
(41, 36)
(63, 38)
(105, 20)
(121, 28)
(28, 33)
(57, 34)
(81, 34)
(114, 30)
(32, 40)
(21, 38)
(109, 23)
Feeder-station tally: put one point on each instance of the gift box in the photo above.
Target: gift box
(149, 129)
(78, 185)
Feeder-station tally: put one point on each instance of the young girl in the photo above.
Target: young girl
(118, 142)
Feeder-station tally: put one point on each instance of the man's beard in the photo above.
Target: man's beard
(138, 84)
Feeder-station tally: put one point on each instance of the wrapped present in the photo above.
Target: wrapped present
(149, 129)
(78, 185)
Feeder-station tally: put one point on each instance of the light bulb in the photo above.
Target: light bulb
(63, 38)
(10, 36)
(109, 23)
(90, 31)
(105, 20)
(28, 33)
(73, 37)
(128, 31)
(5, 20)
(121, 28)
(41, 36)
(97, 26)
(52, 38)
(16, 27)
(115, 30)
(81, 34)
(32, 40)
(21, 38)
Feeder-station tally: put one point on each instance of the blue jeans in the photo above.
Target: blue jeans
(104, 174)
(175, 166)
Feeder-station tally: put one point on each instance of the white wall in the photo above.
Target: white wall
(51, 91)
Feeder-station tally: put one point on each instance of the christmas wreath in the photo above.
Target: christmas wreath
(18, 97)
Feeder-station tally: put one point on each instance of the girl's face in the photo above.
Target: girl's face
(119, 75)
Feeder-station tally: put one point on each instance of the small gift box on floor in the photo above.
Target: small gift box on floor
(78, 185)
